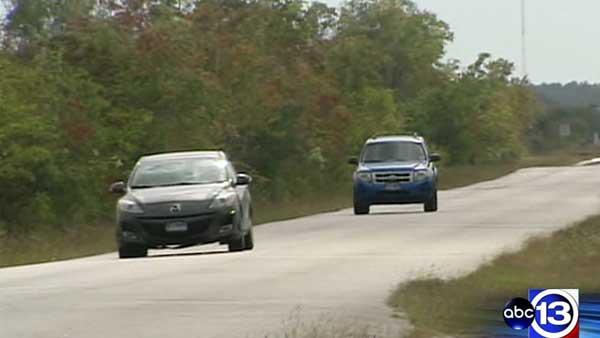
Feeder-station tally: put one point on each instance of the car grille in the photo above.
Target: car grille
(393, 177)
(186, 209)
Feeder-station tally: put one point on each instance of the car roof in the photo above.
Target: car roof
(216, 155)
(395, 138)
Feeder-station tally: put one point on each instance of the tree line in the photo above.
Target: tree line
(288, 88)
(569, 95)
(576, 104)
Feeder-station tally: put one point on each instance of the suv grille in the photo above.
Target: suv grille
(390, 177)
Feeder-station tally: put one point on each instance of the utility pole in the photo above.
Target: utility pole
(523, 40)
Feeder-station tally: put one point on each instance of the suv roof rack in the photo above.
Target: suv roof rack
(413, 134)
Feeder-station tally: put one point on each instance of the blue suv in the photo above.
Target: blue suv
(395, 170)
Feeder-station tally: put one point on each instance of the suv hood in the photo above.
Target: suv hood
(387, 166)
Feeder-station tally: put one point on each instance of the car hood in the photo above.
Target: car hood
(186, 193)
(190, 199)
(400, 166)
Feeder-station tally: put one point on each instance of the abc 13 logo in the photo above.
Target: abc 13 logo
(547, 313)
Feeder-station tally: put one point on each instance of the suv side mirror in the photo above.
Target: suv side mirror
(353, 161)
(242, 179)
(118, 187)
(435, 157)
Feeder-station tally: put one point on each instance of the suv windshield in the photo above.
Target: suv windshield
(393, 152)
(178, 172)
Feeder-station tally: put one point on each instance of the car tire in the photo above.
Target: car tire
(249, 240)
(131, 251)
(360, 209)
(245, 242)
(432, 204)
(236, 245)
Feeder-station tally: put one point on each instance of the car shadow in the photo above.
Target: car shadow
(384, 213)
(184, 254)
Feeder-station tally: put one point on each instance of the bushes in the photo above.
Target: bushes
(57, 143)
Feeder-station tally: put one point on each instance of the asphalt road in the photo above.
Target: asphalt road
(335, 265)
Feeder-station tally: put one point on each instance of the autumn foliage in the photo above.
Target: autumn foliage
(288, 88)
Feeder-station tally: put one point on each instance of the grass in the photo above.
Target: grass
(47, 244)
(52, 244)
(327, 326)
(267, 211)
(566, 259)
(459, 176)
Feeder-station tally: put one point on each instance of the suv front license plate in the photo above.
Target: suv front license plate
(393, 187)
(176, 227)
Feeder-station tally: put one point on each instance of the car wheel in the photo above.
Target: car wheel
(360, 209)
(236, 245)
(246, 242)
(249, 240)
(131, 251)
(432, 204)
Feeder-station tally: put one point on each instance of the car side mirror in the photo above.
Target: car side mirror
(118, 187)
(435, 157)
(353, 161)
(242, 179)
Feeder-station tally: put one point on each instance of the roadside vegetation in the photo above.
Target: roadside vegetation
(289, 89)
(57, 243)
(466, 305)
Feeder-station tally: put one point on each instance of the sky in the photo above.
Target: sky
(563, 36)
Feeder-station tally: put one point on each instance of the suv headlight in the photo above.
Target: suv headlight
(422, 175)
(129, 206)
(364, 176)
(225, 198)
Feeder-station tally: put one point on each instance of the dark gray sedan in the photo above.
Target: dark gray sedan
(177, 200)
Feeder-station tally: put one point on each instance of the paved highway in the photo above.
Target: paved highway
(333, 264)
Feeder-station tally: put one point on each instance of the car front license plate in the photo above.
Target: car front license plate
(176, 227)
(393, 187)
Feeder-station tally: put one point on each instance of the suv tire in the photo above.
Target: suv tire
(360, 209)
(132, 251)
(432, 204)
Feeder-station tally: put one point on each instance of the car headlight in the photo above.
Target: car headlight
(225, 198)
(423, 175)
(129, 206)
(365, 176)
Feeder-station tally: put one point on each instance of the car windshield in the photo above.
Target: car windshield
(178, 172)
(393, 152)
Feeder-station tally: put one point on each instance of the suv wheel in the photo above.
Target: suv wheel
(360, 209)
(132, 251)
(432, 204)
